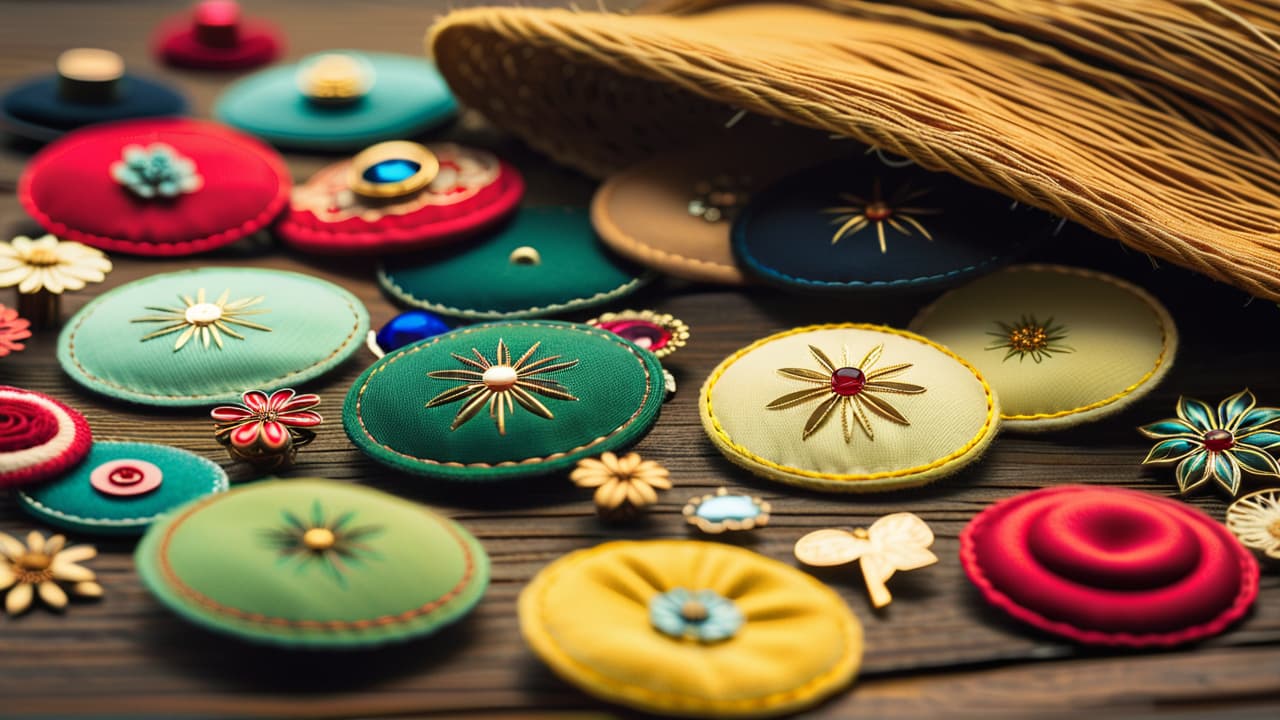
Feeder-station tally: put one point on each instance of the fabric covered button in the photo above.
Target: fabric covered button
(483, 281)
(40, 437)
(1107, 566)
(857, 224)
(155, 187)
(315, 564)
(471, 189)
(122, 487)
(677, 627)
(848, 408)
(326, 103)
(90, 87)
(215, 36)
(198, 337)
(504, 400)
(1060, 346)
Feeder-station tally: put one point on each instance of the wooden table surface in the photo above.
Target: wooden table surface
(936, 651)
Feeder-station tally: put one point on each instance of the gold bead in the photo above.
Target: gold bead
(319, 539)
(693, 611)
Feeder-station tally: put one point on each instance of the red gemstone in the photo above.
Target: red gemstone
(647, 335)
(1216, 440)
(848, 381)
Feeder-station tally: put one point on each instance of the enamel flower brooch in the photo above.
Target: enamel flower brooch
(267, 430)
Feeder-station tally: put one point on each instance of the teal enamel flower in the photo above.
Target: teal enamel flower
(156, 170)
(1217, 444)
(701, 615)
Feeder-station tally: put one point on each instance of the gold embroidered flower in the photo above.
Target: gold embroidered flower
(204, 319)
(1255, 520)
(1028, 336)
(861, 213)
(328, 541)
(48, 264)
(621, 480)
(500, 383)
(41, 567)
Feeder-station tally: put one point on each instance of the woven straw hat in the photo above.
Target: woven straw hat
(1154, 122)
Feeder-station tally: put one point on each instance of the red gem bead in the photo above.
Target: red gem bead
(647, 335)
(1216, 440)
(848, 381)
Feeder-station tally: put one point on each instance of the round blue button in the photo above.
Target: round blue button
(409, 327)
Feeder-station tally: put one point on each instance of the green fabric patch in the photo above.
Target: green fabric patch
(313, 326)
(313, 563)
(71, 502)
(497, 278)
(618, 389)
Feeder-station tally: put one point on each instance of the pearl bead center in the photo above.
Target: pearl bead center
(203, 314)
(499, 378)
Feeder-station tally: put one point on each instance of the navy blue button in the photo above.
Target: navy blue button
(409, 327)
(389, 171)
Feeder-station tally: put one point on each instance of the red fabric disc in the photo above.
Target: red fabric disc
(177, 42)
(40, 438)
(1107, 566)
(473, 190)
(68, 188)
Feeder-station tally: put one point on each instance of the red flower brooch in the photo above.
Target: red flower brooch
(267, 430)
(12, 329)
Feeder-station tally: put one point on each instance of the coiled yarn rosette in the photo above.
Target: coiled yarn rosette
(40, 437)
(1107, 566)
(1154, 122)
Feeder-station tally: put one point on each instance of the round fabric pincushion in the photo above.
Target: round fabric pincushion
(472, 189)
(40, 438)
(315, 564)
(214, 36)
(122, 487)
(155, 187)
(1107, 566)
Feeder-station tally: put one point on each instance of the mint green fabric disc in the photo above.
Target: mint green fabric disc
(199, 337)
(407, 97)
(546, 260)
(312, 563)
(122, 487)
(504, 400)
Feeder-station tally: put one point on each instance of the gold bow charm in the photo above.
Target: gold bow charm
(894, 542)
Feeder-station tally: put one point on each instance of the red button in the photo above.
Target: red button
(125, 477)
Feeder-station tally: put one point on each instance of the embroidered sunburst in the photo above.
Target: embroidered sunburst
(1028, 336)
(501, 383)
(861, 213)
(330, 541)
(853, 389)
(204, 319)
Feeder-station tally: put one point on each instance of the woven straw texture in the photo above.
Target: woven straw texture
(1154, 122)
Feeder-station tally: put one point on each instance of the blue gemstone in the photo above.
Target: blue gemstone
(409, 327)
(728, 507)
(389, 171)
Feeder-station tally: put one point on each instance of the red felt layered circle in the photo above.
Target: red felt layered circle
(40, 437)
(472, 191)
(1109, 566)
(178, 42)
(68, 188)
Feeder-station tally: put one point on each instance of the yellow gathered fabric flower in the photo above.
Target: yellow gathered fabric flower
(38, 568)
(50, 264)
(628, 480)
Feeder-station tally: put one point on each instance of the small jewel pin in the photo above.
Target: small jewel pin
(896, 542)
(719, 512)
(660, 333)
(267, 430)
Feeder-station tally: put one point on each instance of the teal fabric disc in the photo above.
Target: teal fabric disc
(545, 261)
(407, 97)
(121, 487)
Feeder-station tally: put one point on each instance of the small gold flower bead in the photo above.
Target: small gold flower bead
(623, 485)
(42, 567)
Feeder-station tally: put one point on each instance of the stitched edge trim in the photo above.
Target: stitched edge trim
(533, 626)
(741, 455)
(67, 344)
(207, 603)
(1168, 349)
(220, 484)
(270, 158)
(380, 365)
(1249, 574)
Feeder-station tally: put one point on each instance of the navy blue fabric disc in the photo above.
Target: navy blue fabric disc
(35, 111)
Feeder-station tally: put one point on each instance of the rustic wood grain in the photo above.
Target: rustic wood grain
(936, 651)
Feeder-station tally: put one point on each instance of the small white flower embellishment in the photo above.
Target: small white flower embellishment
(157, 170)
(41, 568)
(50, 264)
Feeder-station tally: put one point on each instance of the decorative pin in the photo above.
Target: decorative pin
(331, 541)
(266, 431)
(1028, 336)
(12, 329)
(156, 171)
(203, 319)
(720, 511)
(43, 269)
(660, 333)
(335, 78)
(408, 327)
(393, 169)
(702, 615)
(897, 542)
(854, 389)
(44, 567)
(1255, 520)
(862, 213)
(1216, 444)
(126, 477)
(501, 383)
(624, 485)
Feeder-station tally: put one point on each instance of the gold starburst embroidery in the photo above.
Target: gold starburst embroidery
(861, 213)
(851, 388)
(501, 384)
(207, 320)
(1030, 337)
(331, 542)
